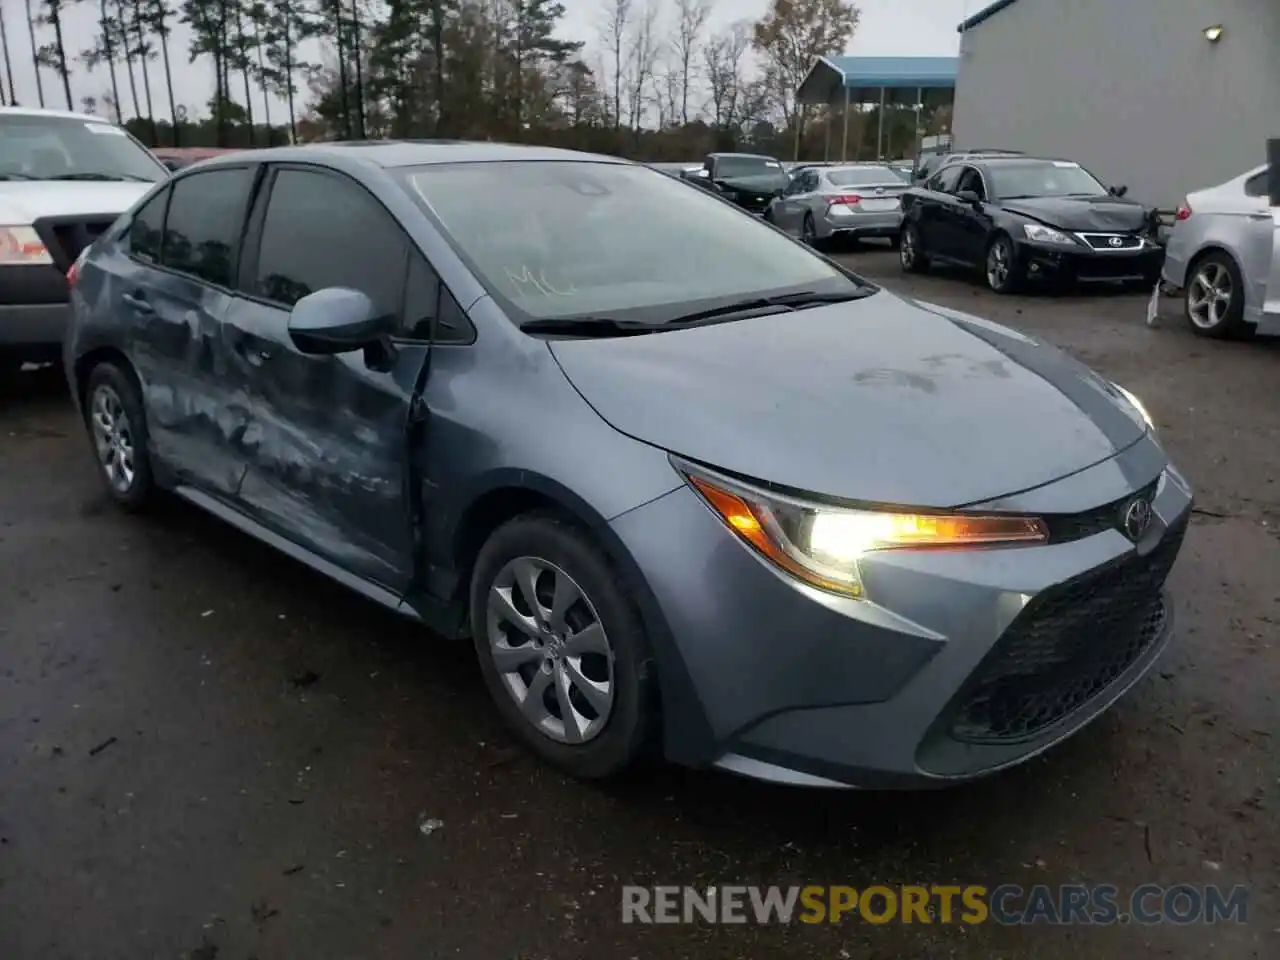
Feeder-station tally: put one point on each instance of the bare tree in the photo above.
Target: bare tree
(722, 59)
(642, 58)
(614, 36)
(691, 18)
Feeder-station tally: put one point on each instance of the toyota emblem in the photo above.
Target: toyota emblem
(1137, 518)
(1116, 242)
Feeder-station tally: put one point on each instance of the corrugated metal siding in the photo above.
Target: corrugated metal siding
(1130, 88)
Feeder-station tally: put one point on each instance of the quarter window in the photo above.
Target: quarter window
(1256, 186)
(202, 231)
(147, 228)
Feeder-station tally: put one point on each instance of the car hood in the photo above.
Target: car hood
(24, 201)
(1104, 214)
(881, 400)
(762, 183)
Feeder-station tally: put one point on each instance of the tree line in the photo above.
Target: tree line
(656, 82)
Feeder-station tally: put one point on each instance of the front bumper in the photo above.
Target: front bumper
(1080, 265)
(33, 309)
(954, 666)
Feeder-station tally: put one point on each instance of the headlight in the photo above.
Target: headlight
(1137, 405)
(21, 244)
(822, 544)
(1034, 231)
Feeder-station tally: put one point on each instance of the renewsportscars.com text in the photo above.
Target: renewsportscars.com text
(1007, 904)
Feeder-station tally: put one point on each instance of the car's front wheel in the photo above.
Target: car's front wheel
(1215, 298)
(561, 647)
(1004, 274)
(118, 429)
(911, 250)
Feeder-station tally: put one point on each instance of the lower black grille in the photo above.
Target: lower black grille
(66, 237)
(1066, 647)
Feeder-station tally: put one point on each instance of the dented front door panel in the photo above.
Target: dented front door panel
(325, 445)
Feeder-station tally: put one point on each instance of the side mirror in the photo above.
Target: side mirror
(335, 320)
(172, 164)
(969, 197)
(1118, 191)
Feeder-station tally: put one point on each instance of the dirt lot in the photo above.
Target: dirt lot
(207, 751)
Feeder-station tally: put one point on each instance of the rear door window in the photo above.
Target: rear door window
(202, 230)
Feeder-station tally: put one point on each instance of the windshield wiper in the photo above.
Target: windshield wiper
(591, 326)
(16, 176)
(98, 176)
(793, 301)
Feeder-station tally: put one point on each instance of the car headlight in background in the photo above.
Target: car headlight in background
(822, 544)
(1137, 405)
(21, 244)
(1033, 231)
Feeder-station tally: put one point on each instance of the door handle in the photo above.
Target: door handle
(138, 302)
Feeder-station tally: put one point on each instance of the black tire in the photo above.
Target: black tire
(1008, 280)
(911, 252)
(107, 381)
(809, 232)
(1216, 270)
(627, 730)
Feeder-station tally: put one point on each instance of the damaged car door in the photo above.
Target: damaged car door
(328, 438)
(173, 288)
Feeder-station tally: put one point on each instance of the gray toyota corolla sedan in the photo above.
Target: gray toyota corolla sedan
(686, 484)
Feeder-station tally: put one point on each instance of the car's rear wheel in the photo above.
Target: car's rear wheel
(118, 430)
(911, 250)
(1004, 275)
(561, 647)
(1214, 298)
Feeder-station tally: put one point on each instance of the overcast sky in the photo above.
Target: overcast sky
(922, 28)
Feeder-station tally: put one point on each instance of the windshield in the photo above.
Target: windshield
(729, 167)
(43, 147)
(553, 239)
(862, 176)
(1052, 178)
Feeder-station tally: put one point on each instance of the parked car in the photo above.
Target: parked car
(680, 483)
(840, 203)
(1222, 255)
(746, 179)
(64, 178)
(1020, 218)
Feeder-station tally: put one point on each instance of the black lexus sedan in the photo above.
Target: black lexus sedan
(1020, 219)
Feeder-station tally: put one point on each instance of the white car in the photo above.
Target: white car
(64, 178)
(1224, 255)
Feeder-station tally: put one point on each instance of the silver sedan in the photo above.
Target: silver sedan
(1224, 255)
(847, 202)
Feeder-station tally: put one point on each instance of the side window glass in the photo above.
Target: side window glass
(323, 231)
(425, 297)
(202, 231)
(1256, 186)
(946, 180)
(147, 228)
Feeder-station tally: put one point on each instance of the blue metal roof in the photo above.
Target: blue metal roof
(896, 73)
(986, 13)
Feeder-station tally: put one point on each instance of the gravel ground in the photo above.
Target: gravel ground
(208, 752)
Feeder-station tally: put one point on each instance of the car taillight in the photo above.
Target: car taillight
(73, 272)
(851, 199)
(1184, 211)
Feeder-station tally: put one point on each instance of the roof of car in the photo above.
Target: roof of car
(409, 153)
(41, 112)
(752, 156)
